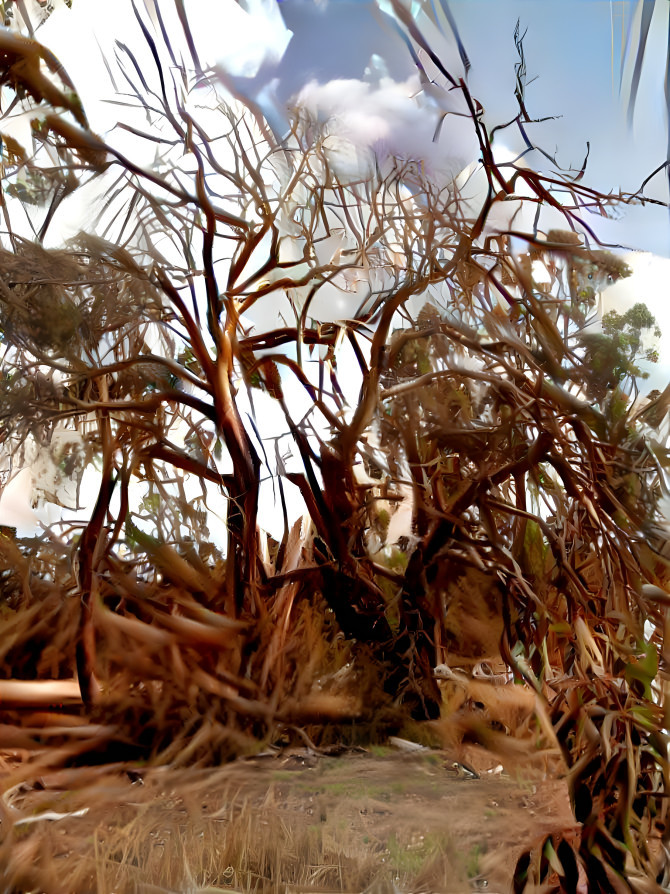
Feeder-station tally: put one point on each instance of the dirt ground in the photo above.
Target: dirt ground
(381, 822)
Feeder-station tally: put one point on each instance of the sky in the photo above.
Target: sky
(337, 53)
(271, 51)
(573, 52)
(274, 51)
(346, 58)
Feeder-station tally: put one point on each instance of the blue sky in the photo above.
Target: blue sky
(573, 48)
(573, 54)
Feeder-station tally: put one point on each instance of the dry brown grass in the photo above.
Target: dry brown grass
(351, 824)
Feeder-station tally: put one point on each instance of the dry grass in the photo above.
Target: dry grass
(349, 824)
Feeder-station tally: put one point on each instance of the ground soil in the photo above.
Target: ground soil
(381, 821)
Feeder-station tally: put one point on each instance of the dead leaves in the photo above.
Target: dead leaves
(21, 60)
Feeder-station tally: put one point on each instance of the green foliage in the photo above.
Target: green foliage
(614, 356)
(641, 672)
(629, 325)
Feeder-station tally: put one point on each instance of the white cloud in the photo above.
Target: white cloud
(16, 503)
(238, 40)
(391, 119)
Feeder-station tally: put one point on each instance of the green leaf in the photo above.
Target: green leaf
(534, 549)
(643, 670)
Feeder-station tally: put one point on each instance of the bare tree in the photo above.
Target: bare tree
(530, 477)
